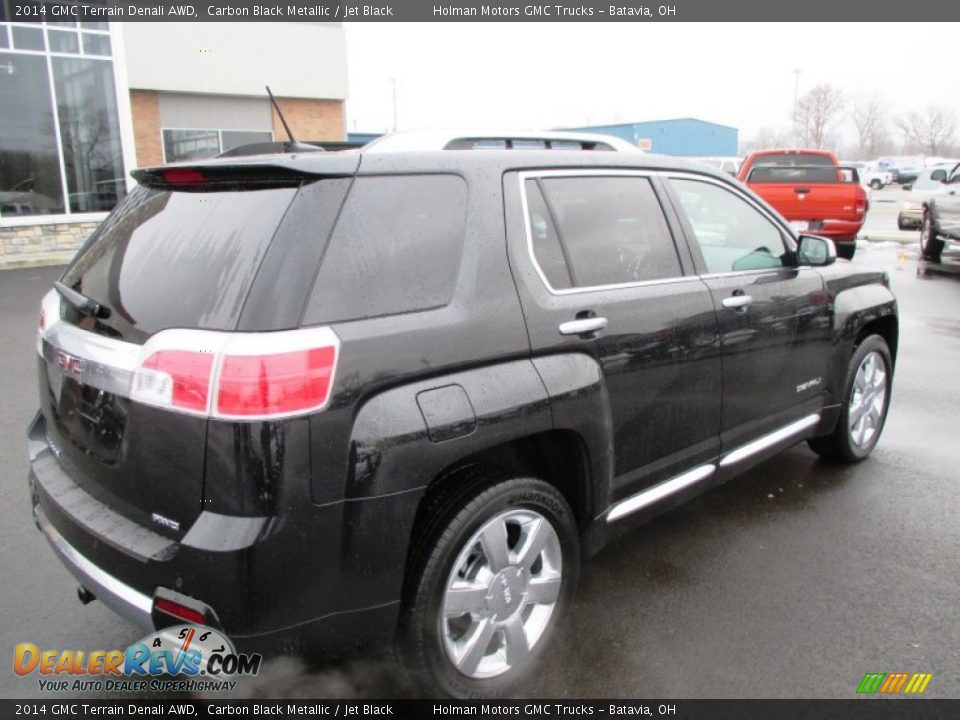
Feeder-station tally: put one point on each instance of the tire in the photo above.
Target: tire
(931, 247)
(876, 184)
(857, 433)
(468, 626)
(846, 250)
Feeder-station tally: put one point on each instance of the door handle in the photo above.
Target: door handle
(737, 302)
(584, 327)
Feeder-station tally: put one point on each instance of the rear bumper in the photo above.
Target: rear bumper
(840, 231)
(321, 577)
(112, 592)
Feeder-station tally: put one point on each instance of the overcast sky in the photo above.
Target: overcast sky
(529, 75)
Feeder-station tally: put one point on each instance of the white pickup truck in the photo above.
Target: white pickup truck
(871, 174)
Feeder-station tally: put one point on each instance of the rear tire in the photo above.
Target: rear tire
(876, 184)
(931, 248)
(846, 250)
(493, 569)
(866, 391)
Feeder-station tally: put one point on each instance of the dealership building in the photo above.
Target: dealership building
(83, 103)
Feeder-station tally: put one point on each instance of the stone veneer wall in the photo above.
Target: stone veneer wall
(31, 244)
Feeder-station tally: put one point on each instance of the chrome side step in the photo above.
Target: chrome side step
(649, 496)
(652, 495)
(768, 441)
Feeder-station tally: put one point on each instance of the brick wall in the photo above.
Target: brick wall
(42, 244)
(145, 109)
(310, 119)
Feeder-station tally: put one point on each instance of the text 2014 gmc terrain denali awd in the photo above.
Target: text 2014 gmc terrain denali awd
(319, 400)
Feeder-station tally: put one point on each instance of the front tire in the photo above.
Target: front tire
(493, 570)
(867, 398)
(931, 247)
(876, 184)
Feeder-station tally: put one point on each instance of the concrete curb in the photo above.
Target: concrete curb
(28, 260)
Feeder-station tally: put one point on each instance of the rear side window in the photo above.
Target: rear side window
(177, 259)
(594, 231)
(396, 248)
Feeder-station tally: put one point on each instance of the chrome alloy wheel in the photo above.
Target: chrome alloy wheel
(502, 590)
(867, 399)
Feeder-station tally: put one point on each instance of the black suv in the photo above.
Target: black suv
(319, 400)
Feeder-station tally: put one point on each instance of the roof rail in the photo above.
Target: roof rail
(420, 140)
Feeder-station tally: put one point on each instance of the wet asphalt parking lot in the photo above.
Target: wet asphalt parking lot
(791, 581)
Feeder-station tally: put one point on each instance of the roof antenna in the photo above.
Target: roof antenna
(293, 144)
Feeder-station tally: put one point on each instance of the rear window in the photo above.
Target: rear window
(793, 160)
(177, 259)
(794, 175)
(396, 248)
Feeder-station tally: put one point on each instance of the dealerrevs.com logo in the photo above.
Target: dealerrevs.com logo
(185, 658)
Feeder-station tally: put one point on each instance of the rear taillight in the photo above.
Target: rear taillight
(180, 611)
(863, 204)
(238, 375)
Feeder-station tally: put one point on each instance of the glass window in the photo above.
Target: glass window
(178, 259)
(4, 42)
(89, 133)
(396, 248)
(732, 234)
(610, 229)
(546, 243)
(63, 42)
(94, 26)
(96, 44)
(27, 38)
(30, 182)
(180, 145)
(231, 139)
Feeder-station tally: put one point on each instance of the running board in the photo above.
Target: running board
(768, 441)
(659, 492)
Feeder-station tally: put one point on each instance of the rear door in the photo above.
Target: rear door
(595, 247)
(775, 317)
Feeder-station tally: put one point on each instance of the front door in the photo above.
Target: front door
(775, 317)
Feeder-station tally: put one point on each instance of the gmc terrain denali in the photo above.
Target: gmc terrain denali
(319, 400)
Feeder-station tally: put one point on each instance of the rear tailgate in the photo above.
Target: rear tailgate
(808, 194)
(164, 259)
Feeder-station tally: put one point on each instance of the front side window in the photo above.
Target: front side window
(596, 231)
(733, 235)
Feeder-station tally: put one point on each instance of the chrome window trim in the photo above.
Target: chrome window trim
(528, 230)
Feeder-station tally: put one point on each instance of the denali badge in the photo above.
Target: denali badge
(809, 384)
(69, 364)
(165, 521)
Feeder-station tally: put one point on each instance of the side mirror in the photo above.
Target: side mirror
(816, 251)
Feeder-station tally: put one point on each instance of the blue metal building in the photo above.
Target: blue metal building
(679, 136)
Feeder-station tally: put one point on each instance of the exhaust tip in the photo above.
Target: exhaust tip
(85, 596)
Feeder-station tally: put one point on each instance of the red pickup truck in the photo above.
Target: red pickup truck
(811, 190)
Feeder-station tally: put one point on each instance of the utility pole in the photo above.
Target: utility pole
(796, 106)
(393, 82)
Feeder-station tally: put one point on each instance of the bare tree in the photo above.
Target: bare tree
(932, 131)
(764, 139)
(870, 124)
(817, 112)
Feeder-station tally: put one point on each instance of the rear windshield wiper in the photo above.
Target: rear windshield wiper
(81, 303)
